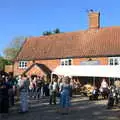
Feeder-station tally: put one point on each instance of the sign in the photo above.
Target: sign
(93, 62)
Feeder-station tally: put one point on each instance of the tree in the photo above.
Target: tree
(56, 31)
(4, 62)
(47, 33)
(13, 48)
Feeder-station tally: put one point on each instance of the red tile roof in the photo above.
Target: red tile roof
(88, 43)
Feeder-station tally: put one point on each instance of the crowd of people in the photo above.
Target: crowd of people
(112, 92)
(36, 87)
(25, 87)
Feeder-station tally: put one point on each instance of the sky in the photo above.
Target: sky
(32, 17)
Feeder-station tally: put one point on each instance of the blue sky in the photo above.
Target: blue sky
(32, 17)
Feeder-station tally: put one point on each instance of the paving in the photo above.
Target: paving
(81, 109)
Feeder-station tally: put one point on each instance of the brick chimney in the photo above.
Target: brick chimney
(94, 20)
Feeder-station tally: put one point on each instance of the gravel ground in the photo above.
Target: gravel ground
(81, 109)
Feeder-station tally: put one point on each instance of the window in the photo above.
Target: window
(114, 61)
(111, 61)
(69, 61)
(62, 62)
(66, 62)
(23, 64)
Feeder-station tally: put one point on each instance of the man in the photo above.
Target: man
(39, 84)
(55, 90)
(117, 91)
(50, 92)
(117, 83)
(23, 90)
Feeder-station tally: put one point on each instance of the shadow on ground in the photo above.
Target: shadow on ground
(81, 109)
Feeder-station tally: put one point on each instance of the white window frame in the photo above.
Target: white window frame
(114, 60)
(22, 64)
(65, 62)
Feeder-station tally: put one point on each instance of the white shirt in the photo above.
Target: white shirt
(54, 86)
(104, 84)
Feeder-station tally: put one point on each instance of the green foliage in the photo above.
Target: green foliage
(56, 31)
(4, 62)
(47, 33)
(11, 51)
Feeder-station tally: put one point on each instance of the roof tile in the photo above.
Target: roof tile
(96, 42)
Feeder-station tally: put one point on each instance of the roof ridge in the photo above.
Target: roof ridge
(61, 45)
(71, 32)
(57, 34)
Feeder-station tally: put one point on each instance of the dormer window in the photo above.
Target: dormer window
(111, 61)
(114, 61)
(66, 62)
(22, 64)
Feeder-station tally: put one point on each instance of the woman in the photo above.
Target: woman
(104, 89)
(4, 98)
(23, 89)
(65, 95)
